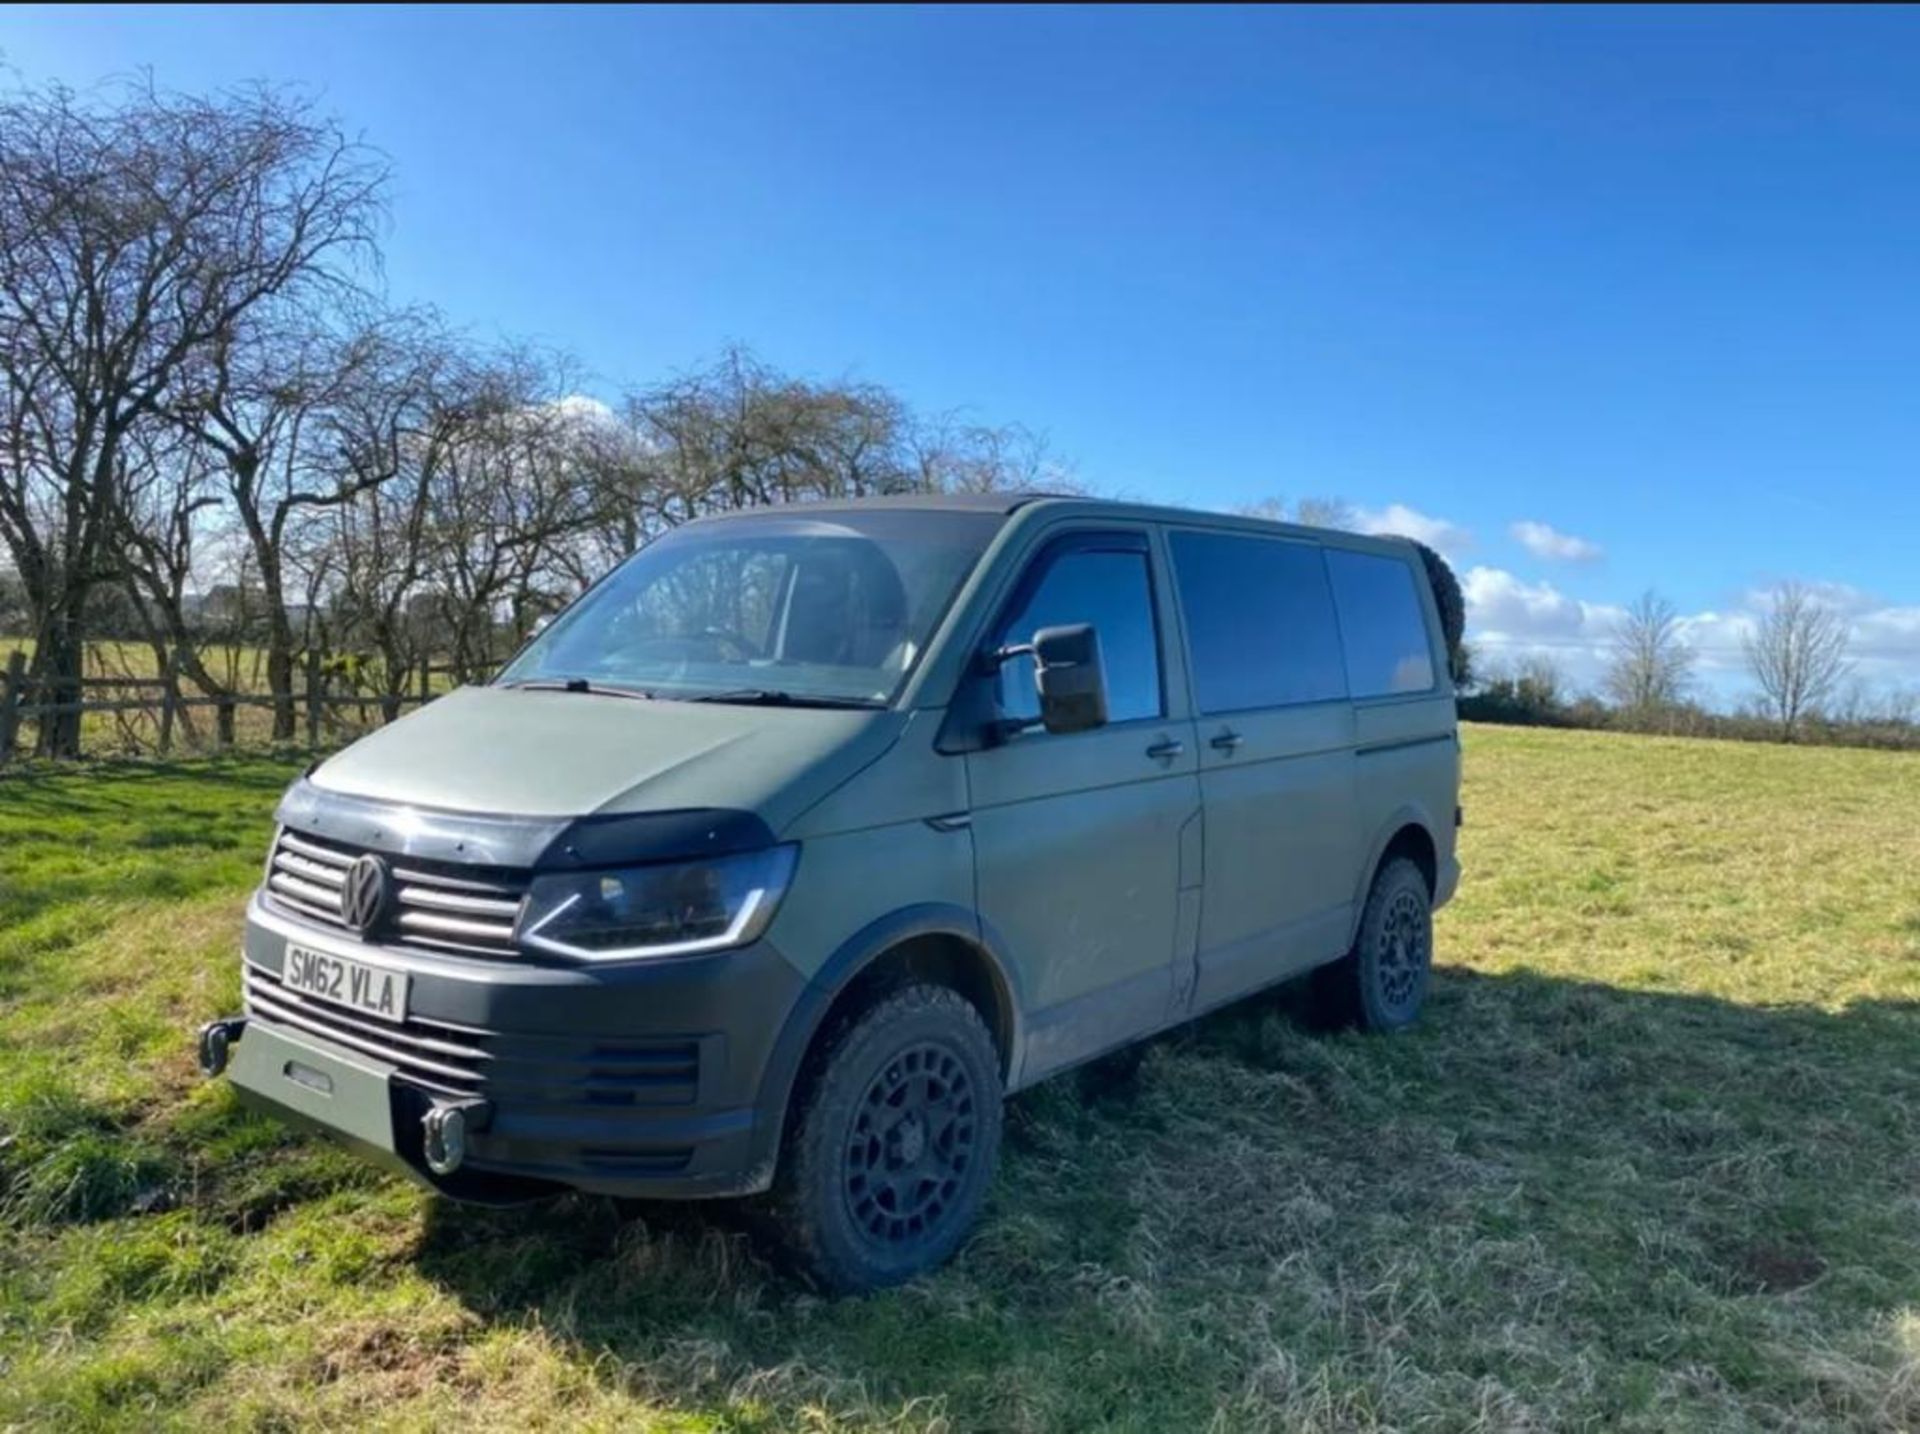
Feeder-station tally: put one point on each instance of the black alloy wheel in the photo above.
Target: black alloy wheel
(891, 1144)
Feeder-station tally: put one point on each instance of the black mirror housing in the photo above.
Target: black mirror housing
(1070, 677)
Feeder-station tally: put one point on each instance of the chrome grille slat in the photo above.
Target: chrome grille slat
(448, 943)
(442, 910)
(453, 925)
(308, 869)
(414, 895)
(293, 842)
(409, 877)
(315, 896)
(330, 917)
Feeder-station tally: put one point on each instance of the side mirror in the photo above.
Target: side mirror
(1070, 678)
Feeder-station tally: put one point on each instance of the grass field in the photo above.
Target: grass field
(1652, 1160)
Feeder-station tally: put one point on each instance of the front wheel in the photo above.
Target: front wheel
(1381, 984)
(893, 1144)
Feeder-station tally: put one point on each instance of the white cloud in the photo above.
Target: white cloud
(1401, 521)
(1505, 610)
(584, 409)
(1544, 541)
(1510, 619)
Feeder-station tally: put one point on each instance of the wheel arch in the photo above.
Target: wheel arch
(932, 941)
(1407, 832)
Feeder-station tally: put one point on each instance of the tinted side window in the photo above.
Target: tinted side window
(1383, 623)
(1260, 624)
(1111, 590)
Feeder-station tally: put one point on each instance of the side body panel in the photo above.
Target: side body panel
(1407, 754)
(1079, 871)
(1301, 798)
(1282, 845)
(1277, 780)
(1407, 771)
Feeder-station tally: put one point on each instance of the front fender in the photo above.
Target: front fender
(853, 956)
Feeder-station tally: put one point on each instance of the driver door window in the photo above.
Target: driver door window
(1113, 590)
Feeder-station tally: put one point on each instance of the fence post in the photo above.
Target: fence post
(313, 697)
(223, 723)
(426, 682)
(169, 696)
(11, 686)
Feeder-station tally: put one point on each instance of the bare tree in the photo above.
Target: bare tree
(1308, 512)
(166, 491)
(393, 431)
(133, 234)
(1324, 513)
(507, 503)
(1651, 665)
(739, 433)
(953, 456)
(266, 405)
(1797, 652)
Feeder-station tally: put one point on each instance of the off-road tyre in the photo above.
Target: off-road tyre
(892, 1143)
(1382, 983)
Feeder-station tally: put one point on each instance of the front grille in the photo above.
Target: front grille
(448, 909)
(460, 1060)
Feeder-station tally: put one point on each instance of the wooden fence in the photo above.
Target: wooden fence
(316, 708)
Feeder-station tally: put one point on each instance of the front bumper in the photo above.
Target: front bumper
(649, 1078)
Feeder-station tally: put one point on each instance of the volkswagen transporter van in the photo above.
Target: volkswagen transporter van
(806, 836)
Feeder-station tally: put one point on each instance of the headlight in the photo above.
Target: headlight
(670, 910)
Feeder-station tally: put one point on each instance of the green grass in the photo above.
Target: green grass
(1652, 1160)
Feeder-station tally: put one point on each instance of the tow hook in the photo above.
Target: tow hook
(444, 1132)
(216, 1043)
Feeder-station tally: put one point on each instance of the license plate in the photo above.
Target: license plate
(359, 987)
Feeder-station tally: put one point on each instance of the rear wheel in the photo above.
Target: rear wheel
(892, 1148)
(1381, 984)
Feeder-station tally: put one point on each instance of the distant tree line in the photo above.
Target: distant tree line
(214, 433)
(1805, 685)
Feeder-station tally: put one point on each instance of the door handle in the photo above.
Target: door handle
(1226, 741)
(1166, 749)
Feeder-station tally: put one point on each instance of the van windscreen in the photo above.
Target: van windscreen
(830, 609)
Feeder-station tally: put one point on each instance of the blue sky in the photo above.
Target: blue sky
(1650, 278)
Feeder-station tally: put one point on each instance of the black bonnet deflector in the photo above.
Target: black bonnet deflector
(525, 843)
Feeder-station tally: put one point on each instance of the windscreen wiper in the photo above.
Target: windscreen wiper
(577, 684)
(772, 697)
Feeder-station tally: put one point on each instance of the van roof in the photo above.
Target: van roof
(1007, 503)
(965, 502)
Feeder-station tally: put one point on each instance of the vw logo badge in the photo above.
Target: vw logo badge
(363, 898)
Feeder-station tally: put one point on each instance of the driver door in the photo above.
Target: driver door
(1087, 844)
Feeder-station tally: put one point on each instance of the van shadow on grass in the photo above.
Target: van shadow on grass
(1586, 1201)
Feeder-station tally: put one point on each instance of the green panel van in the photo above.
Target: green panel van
(807, 835)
